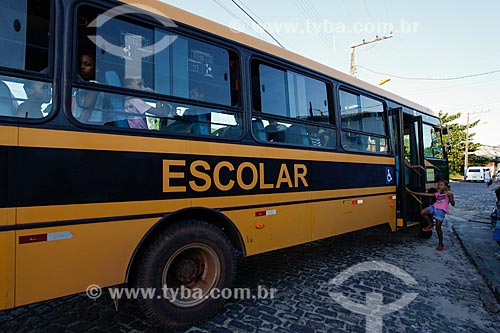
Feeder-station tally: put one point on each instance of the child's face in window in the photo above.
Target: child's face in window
(129, 106)
(37, 90)
(137, 84)
(87, 67)
(197, 94)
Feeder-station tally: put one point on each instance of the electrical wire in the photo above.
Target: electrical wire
(386, 11)
(368, 11)
(430, 78)
(348, 10)
(233, 15)
(256, 22)
(310, 12)
(250, 11)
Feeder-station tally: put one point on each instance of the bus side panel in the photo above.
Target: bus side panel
(74, 257)
(7, 255)
(341, 216)
(274, 227)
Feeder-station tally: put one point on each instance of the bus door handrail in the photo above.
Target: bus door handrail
(413, 195)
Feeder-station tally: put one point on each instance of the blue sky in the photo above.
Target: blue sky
(435, 39)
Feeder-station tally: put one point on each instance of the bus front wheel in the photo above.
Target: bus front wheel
(182, 273)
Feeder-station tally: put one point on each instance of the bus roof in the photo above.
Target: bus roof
(182, 16)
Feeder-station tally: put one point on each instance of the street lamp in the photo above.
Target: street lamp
(384, 81)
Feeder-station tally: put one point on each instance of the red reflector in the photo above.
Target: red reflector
(355, 202)
(261, 213)
(32, 239)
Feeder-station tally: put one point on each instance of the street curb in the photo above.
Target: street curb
(486, 278)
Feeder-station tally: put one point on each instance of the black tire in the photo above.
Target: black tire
(178, 257)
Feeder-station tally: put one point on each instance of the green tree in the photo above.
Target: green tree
(457, 136)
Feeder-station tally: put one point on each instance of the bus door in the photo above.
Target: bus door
(409, 151)
(8, 141)
(413, 158)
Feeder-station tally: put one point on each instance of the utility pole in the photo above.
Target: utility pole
(364, 42)
(466, 162)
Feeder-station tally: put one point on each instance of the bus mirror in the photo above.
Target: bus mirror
(445, 130)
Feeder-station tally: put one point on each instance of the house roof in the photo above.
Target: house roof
(492, 152)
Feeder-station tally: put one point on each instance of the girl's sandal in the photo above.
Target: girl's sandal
(440, 249)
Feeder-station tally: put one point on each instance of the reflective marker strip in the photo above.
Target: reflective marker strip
(45, 237)
(59, 235)
(392, 197)
(265, 213)
(357, 202)
(32, 239)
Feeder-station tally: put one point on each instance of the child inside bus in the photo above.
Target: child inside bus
(37, 93)
(444, 197)
(140, 107)
(85, 100)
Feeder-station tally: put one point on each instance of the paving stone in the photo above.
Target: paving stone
(452, 296)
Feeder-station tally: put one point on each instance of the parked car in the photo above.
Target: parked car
(477, 174)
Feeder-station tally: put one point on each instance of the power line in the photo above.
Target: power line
(319, 17)
(368, 11)
(431, 88)
(348, 10)
(233, 15)
(250, 10)
(386, 11)
(256, 22)
(430, 78)
(353, 67)
(313, 9)
(310, 12)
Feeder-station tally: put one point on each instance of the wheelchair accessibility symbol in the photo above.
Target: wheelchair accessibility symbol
(374, 308)
(389, 179)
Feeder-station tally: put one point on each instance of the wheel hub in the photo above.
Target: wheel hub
(187, 270)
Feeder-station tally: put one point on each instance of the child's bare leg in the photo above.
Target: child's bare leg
(426, 214)
(440, 235)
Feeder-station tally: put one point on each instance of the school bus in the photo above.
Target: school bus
(143, 145)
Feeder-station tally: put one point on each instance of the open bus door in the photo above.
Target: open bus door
(409, 151)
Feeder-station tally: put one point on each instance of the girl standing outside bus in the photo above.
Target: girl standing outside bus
(444, 197)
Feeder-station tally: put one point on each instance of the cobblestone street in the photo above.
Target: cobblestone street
(452, 296)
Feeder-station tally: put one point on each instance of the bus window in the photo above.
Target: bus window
(273, 130)
(363, 124)
(24, 35)
(25, 39)
(186, 68)
(432, 142)
(24, 98)
(290, 108)
(289, 94)
(270, 90)
(307, 98)
(157, 115)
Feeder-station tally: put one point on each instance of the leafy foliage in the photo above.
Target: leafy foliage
(457, 136)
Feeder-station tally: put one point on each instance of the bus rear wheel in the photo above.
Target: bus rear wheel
(183, 266)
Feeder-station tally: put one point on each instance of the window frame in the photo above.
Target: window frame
(48, 77)
(285, 66)
(183, 30)
(387, 136)
(437, 129)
